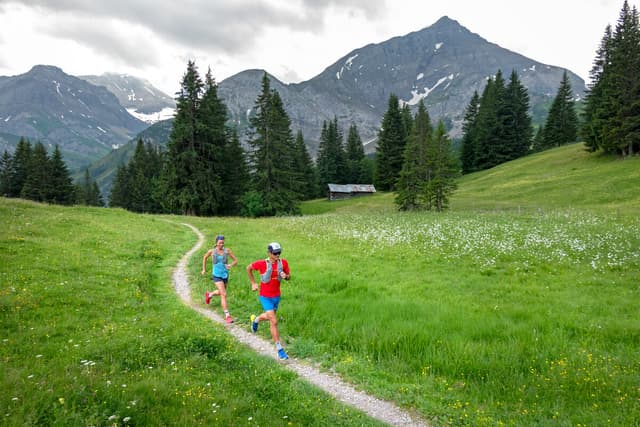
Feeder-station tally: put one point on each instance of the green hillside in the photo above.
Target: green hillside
(517, 307)
(560, 178)
(564, 177)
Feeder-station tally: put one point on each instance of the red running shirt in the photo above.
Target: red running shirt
(271, 289)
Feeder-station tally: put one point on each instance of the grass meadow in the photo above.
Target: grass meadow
(519, 306)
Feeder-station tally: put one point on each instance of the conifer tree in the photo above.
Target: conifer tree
(36, 186)
(417, 166)
(274, 176)
(7, 174)
(212, 143)
(60, 185)
(612, 110)
(354, 157)
(561, 126)
(468, 152)
(442, 183)
(331, 156)
(21, 166)
(88, 192)
(183, 168)
(516, 120)
(538, 140)
(235, 175)
(592, 130)
(119, 195)
(305, 168)
(488, 129)
(390, 149)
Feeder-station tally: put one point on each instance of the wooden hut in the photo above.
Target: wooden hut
(346, 191)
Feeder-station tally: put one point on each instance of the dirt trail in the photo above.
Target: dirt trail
(382, 410)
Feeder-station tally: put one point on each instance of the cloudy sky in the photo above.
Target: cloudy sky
(292, 39)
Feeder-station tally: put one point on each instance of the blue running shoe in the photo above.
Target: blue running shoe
(254, 324)
(282, 354)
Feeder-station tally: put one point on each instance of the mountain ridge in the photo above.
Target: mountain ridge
(45, 104)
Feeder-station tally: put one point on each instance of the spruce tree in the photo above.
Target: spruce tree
(305, 168)
(274, 176)
(7, 174)
(561, 126)
(623, 136)
(516, 121)
(390, 149)
(119, 195)
(235, 175)
(354, 156)
(183, 167)
(37, 185)
(212, 161)
(416, 169)
(60, 185)
(612, 106)
(489, 125)
(89, 192)
(468, 152)
(332, 165)
(592, 129)
(538, 140)
(21, 166)
(442, 183)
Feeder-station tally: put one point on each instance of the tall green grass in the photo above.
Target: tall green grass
(517, 307)
(94, 334)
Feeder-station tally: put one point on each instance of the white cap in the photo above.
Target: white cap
(274, 247)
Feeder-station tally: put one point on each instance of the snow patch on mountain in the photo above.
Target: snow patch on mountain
(417, 96)
(164, 114)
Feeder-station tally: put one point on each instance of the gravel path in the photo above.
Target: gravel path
(382, 410)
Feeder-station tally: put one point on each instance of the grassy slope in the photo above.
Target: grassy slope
(563, 177)
(92, 332)
(454, 318)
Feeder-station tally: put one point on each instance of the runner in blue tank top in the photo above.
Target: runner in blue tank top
(219, 273)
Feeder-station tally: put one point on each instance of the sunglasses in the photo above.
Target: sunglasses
(276, 252)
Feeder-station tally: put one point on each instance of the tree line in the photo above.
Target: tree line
(612, 106)
(205, 170)
(32, 174)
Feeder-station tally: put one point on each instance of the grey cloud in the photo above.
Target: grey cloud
(223, 26)
(104, 38)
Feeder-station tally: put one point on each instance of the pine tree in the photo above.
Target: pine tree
(332, 164)
(624, 133)
(21, 166)
(390, 149)
(37, 185)
(468, 154)
(119, 195)
(489, 124)
(591, 130)
(88, 192)
(235, 176)
(212, 162)
(305, 168)
(7, 174)
(416, 168)
(538, 140)
(561, 126)
(181, 171)
(612, 110)
(274, 176)
(442, 183)
(60, 189)
(354, 155)
(516, 120)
